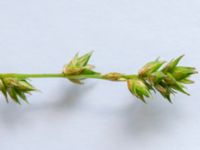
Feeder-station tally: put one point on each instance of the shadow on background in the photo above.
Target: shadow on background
(12, 115)
(143, 120)
(137, 119)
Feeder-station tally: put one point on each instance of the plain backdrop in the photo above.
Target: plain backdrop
(40, 36)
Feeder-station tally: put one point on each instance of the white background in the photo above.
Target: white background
(40, 36)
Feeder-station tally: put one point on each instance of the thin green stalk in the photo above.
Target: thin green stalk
(58, 75)
(21, 76)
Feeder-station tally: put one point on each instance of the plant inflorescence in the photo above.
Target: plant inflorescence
(165, 78)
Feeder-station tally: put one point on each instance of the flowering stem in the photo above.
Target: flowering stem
(153, 76)
(58, 75)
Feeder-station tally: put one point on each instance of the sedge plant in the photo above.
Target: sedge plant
(155, 76)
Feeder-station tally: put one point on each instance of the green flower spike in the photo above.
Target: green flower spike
(138, 88)
(15, 88)
(154, 76)
(79, 66)
(170, 79)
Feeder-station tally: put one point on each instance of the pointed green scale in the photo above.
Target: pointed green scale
(21, 95)
(3, 90)
(12, 93)
(181, 72)
(172, 64)
(150, 67)
(83, 60)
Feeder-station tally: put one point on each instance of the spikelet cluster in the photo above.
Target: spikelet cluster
(167, 80)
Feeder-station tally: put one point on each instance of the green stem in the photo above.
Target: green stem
(15, 75)
(54, 75)
(51, 75)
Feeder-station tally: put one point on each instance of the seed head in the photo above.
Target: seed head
(79, 66)
(15, 88)
(168, 80)
(138, 88)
